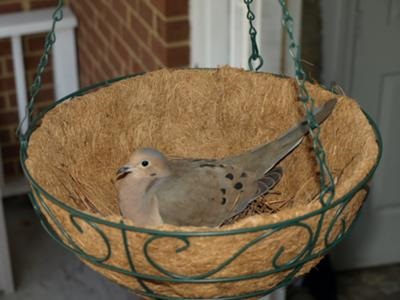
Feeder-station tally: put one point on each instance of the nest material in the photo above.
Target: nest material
(75, 152)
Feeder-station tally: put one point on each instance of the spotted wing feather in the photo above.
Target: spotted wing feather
(205, 193)
(265, 184)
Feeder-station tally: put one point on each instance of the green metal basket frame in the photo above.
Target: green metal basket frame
(38, 196)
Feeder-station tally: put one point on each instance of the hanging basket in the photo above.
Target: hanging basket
(72, 151)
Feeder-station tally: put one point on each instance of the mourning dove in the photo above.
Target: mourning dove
(154, 190)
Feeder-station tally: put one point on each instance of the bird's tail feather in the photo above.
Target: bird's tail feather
(262, 159)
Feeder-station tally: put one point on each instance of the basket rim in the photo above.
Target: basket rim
(24, 143)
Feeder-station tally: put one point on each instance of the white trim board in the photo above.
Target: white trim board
(36, 21)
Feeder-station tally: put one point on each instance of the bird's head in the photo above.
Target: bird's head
(144, 163)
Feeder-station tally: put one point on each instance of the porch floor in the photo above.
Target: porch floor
(45, 270)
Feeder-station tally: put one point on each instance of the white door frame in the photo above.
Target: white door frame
(219, 33)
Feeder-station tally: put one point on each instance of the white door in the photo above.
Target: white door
(371, 33)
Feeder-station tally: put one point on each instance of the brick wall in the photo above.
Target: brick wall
(124, 36)
(115, 37)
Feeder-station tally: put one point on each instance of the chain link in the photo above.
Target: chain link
(44, 60)
(255, 60)
(326, 179)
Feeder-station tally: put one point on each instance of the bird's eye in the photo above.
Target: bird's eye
(145, 163)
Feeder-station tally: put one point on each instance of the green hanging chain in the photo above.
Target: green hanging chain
(327, 184)
(44, 60)
(255, 56)
(326, 179)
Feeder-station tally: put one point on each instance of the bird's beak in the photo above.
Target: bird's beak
(124, 170)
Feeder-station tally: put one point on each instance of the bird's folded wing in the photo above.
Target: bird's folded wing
(204, 195)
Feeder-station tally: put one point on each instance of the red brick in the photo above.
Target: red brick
(98, 41)
(9, 66)
(35, 43)
(84, 59)
(125, 69)
(177, 56)
(30, 74)
(5, 136)
(46, 95)
(115, 22)
(5, 47)
(7, 83)
(173, 31)
(31, 61)
(121, 10)
(130, 39)
(121, 48)
(8, 118)
(47, 76)
(139, 28)
(119, 66)
(108, 45)
(134, 66)
(146, 13)
(133, 4)
(84, 9)
(10, 7)
(171, 8)
(107, 69)
(12, 99)
(75, 6)
(13, 134)
(36, 4)
(40, 106)
(104, 29)
(101, 75)
(102, 9)
(157, 48)
(148, 61)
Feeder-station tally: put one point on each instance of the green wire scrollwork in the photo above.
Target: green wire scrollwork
(54, 226)
(67, 237)
(231, 259)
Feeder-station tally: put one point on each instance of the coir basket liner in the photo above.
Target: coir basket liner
(73, 152)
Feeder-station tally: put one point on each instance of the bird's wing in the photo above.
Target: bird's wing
(265, 184)
(205, 193)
